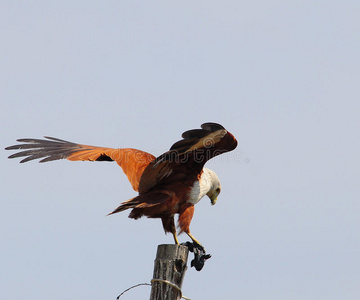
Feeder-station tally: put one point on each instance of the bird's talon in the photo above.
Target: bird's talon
(199, 246)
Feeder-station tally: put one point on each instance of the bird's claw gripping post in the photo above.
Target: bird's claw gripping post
(200, 255)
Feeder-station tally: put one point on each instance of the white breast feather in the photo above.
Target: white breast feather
(201, 187)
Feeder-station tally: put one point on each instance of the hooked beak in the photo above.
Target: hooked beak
(213, 200)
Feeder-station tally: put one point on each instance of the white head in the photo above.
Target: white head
(212, 183)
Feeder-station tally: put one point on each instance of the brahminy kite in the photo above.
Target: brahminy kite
(167, 185)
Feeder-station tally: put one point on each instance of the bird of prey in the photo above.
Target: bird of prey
(167, 185)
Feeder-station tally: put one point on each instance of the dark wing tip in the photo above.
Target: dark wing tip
(58, 140)
(191, 137)
(212, 126)
(11, 147)
(49, 149)
(194, 133)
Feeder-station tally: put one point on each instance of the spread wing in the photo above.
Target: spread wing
(132, 161)
(186, 158)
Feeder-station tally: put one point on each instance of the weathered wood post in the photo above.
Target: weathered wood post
(169, 271)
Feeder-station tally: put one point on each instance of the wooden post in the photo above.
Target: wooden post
(169, 272)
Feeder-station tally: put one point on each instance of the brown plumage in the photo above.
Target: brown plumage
(169, 184)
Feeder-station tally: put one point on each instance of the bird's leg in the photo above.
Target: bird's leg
(175, 238)
(169, 226)
(185, 215)
(173, 231)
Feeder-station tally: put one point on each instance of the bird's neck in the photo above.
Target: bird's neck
(201, 187)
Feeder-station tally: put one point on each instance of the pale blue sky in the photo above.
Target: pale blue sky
(282, 76)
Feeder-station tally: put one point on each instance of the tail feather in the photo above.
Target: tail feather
(141, 203)
(131, 203)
